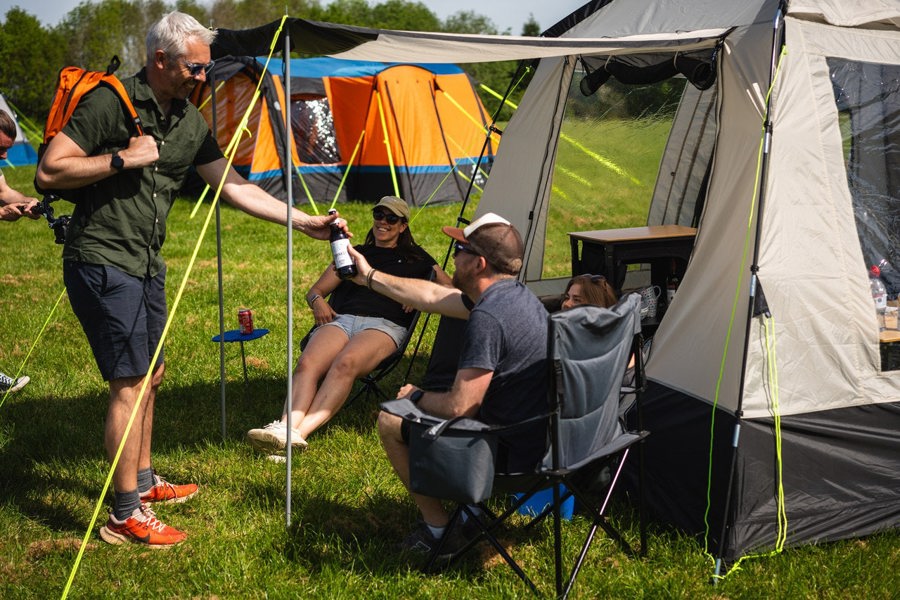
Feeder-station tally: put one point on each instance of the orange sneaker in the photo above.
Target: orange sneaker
(142, 527)
(169, 493)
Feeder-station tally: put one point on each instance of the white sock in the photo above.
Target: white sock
(437, 532)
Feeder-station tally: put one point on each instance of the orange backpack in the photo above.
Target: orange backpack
(74, 83)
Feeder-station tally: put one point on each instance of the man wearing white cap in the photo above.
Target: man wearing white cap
(501, 376)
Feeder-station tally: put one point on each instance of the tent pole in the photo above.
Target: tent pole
(286, 168)
(212, 91)
(777, 43)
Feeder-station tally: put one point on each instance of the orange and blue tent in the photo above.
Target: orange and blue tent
(360, 129)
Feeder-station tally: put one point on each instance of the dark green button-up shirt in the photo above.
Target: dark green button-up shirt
(121, 220)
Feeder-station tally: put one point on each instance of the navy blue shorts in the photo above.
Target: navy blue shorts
(122, 315)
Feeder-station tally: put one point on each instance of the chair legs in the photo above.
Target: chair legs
(588, 503)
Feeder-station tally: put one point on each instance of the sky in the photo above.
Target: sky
(506, 14)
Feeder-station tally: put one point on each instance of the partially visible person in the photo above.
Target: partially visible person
(355, 330)
(502, 371)
(112, 264)
(13, 204)
(9, 385)
(588, 289)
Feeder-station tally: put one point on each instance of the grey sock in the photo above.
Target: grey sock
(126, 503)
(145, 479)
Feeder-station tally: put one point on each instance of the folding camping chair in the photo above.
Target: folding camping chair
(589, 349)
(385, 367)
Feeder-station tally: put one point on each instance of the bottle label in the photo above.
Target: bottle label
(339, 252)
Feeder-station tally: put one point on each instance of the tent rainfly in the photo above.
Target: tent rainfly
(773, 418)
(21, 153)
(360, 129)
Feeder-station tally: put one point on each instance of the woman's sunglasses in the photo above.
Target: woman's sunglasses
(390, 218)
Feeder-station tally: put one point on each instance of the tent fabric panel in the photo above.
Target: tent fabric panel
(404, 46)
(21, 153)
(520, 182)
(682, 172)
(826, 330)
(847, 14)
(622, 18)
(408, 104)
(676, 460)
(463, 118)
(707, 319)
(859, 495)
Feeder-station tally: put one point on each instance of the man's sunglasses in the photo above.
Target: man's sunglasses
(388, 217)
(195, 69)
(459, 247)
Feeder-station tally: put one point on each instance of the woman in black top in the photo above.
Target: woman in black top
(356, 329)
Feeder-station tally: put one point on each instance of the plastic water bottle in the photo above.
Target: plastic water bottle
(879, 294)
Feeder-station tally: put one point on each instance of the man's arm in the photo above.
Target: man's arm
(463, 400)
(14, 204)
(421, 294)
(66, 166)
(254, 201)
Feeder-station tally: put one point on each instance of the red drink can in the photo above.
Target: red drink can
(245, 321)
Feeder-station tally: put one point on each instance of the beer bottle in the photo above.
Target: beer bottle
(343, 263)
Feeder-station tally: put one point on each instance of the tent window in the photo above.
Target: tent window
(868, 101)
(313, 127)
(607, 160)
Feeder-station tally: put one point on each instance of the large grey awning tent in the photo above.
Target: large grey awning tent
(770, 427)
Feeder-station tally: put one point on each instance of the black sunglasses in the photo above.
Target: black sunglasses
(195, 69)
(460, 247)
(597, 278)
(390, 218)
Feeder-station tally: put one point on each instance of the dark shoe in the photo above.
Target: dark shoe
(421, 541)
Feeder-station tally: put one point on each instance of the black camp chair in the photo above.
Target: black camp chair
(369, 383)
(589, 350)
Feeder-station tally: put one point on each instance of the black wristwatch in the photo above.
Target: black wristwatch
(416, 396)
(116, 162)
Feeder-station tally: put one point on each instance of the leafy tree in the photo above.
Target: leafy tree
(245, 14)
(531, 28)
(398, 14)
(31, 58)
(468, 21)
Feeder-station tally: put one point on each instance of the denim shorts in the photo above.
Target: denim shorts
(353, 324)
(122, 315)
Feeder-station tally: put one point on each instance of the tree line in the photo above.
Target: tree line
(31, 55)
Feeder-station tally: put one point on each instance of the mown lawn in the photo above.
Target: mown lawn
(348, 511)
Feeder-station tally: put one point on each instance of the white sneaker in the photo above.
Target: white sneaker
(273, 438)
(9, 385)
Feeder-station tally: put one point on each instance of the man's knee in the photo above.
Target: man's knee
(389, 427)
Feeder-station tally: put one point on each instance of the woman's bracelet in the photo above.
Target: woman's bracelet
(369, 278)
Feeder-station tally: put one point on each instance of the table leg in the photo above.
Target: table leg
(244, 362)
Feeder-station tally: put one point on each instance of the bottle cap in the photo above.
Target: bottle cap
(874, 270)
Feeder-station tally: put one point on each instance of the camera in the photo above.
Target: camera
(59, 225)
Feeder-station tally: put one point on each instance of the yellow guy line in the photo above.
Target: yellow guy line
(34, 344)
(484, 128)
(387, 144)
(153, 360)
(347, 170)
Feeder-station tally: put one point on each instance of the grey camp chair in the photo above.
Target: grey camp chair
(589, 350)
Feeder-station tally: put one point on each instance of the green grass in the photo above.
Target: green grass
(348, 510)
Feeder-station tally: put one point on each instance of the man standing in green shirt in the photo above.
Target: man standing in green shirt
(114, 274)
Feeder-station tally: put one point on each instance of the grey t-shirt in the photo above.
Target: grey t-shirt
(507, 334)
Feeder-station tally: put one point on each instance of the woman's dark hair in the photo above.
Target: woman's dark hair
(594, 289)
(406, 245)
